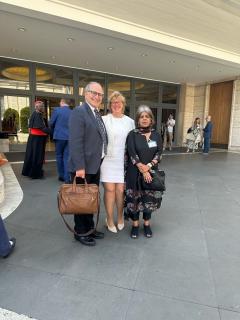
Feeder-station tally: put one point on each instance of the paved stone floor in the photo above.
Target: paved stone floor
(189, 270)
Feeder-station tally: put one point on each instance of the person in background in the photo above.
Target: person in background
(112, 169)
(7, 244)
(195, 136)
(59, 125)
(87, 148)
(144, 148)
(35, 151)
(170, 125)
(207, 135)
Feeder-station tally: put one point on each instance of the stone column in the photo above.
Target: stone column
(234, 132)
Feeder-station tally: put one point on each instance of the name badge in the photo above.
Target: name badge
(152, 144)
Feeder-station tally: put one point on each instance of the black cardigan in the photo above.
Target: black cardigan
(138, 150)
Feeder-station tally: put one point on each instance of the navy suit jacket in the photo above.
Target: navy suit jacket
(59, 122)
(208, 130)
(85, 141)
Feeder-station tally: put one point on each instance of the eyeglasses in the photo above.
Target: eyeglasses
(116, 102)
(95, 93)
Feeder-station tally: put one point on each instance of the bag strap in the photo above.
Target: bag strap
(82, 234)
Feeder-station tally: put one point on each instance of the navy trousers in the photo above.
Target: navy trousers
(4, 240)
(62, 151)
(206, 145)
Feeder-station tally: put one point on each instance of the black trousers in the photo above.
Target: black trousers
(146, 215)
(84, 222)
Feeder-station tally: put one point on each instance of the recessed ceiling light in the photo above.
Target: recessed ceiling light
(87, 63)
(171, 61)
(14, 50)
(22, 29)
(70, 39)
(53, 57)
(110, 48)
(144, 54)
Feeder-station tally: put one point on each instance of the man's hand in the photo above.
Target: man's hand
(80, 173)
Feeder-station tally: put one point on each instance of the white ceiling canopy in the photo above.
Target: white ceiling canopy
(172, 41)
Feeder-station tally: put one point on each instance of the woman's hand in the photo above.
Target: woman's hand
(143, 167)
(147, 177)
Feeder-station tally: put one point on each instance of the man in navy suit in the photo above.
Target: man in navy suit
(59, 124)
(87, 148)
(6, 245)
(207, 134)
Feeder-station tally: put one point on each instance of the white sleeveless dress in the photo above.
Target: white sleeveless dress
(112, 168)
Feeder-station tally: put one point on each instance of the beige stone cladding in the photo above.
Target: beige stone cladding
(234, 134)
(194, 102)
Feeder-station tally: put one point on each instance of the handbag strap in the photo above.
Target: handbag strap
(82, 234)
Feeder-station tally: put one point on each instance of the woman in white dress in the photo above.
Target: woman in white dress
(112, 169)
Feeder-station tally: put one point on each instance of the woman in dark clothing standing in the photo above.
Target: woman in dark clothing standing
(35, 150)
(144, 148)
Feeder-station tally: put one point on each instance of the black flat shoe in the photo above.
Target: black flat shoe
(134, 232)
(86, 241)
(147, 231)
(97, 235)
(13, 243)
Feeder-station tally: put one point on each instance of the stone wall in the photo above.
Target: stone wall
(234, 133)
(194, 102)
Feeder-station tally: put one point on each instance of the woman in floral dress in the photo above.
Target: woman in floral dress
(194, 137)
(143, 152)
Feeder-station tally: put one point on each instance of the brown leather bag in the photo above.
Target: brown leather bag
(79, 199)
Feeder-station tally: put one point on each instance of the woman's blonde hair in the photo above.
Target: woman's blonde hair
(116, 95)
(140, 110)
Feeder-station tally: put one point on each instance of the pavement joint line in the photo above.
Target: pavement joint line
(62, 276)
(21, 162)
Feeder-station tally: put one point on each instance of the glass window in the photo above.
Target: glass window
(169, 94)
(14, 75)
(15, 113)
(55, 80)
(146, 92)
(88, 76)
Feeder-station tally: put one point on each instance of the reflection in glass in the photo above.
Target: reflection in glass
(169, 94)
(55, 80)
(14, 75)
(15, 113)
(86, 77)
(146, 92)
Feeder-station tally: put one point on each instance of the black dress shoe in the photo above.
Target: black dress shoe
(13, 243)
(61, 179)
(97, 235)
(87, 241)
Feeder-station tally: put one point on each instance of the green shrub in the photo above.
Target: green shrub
(24, 116)
(10, 120)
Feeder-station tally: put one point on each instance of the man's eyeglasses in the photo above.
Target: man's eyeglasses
(95, 93)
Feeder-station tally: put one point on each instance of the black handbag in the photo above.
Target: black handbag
(158, 181)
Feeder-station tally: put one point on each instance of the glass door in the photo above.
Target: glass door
(14, 115)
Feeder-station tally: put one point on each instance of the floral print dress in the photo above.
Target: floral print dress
(138, 149)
